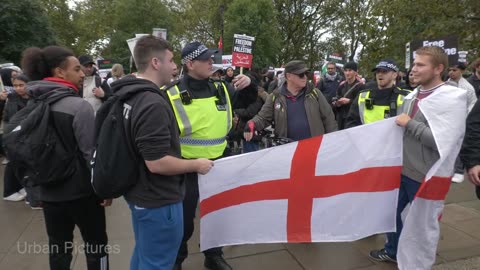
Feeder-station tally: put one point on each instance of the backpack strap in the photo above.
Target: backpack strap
(56, 95)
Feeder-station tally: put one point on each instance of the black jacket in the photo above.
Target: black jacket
(14, 104)
(73, 118)
(349, 91)
(329, 87)
(470, 152)
(206, 88)
(475, 82)
(154, 133)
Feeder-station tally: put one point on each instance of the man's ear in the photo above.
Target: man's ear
(58, 72)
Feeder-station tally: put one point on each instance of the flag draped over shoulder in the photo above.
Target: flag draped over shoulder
(341, 186)
(445, 111)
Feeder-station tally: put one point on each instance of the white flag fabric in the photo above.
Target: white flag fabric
(445, 111)
(339, 187)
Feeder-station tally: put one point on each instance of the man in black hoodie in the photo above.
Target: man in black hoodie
(156, 200)
(203, 109)
(55, 70)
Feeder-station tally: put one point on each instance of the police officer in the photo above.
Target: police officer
(385, 101)
(203, 109)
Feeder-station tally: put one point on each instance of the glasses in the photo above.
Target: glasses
(301, 75)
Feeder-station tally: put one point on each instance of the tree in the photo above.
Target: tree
(402, 21)
(303, 24)
(23, 25)
(254, 19)
(133, 17)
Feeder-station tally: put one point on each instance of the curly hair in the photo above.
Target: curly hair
(39, 63)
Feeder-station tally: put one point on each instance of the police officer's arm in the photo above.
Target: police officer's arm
(235, 95)
(153, 125)
(353, 118)
(326, 113)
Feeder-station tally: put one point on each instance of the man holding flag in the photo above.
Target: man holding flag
(426, 114)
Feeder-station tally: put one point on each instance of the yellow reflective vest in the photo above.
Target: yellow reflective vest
(204, 123)
(372, 113)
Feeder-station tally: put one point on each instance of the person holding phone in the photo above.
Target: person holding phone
(94, 90)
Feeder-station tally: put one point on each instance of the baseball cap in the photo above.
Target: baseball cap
(459, 65)
(351, 65)
(196, 51)
(296, 67)
(388, 65)
(85, 59)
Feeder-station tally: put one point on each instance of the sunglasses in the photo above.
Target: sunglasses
(301, 75)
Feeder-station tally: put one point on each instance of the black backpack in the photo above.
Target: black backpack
(34, 148)
(116, 162)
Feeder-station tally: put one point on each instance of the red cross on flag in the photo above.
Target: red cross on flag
(339, 187)
(332, 188)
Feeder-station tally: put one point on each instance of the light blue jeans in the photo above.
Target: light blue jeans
(158, 234)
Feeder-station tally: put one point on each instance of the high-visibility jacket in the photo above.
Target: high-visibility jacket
(370, 112)
(204, 123)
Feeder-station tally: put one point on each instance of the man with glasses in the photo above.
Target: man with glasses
(330, 82)
(203, 110)
(306, 109)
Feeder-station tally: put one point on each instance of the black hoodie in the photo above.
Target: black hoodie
(73, 118)
(155, 134)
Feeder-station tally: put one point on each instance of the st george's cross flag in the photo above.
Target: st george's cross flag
(339, 187)
(342, 186)
(446, 112)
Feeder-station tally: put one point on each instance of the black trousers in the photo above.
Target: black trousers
(11, 184)
(189, 209)
(60, 220)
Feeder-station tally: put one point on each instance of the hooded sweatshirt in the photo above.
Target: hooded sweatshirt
(154, 134)
(73, 119)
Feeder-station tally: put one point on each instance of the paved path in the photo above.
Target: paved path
(459, 246)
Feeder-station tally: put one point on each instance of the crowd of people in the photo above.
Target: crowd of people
(197, 118)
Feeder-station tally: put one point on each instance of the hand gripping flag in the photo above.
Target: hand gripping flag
(339, 187)
(445, 111)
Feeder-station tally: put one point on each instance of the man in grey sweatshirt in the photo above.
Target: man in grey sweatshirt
(419, 147)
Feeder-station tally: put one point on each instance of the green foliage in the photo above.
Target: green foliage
(133, 17)
(368, 30)
(23, 25)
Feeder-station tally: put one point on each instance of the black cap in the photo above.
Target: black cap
(196, 51)
(388, 65)
(351, 65)
(459, 65)
(296, 67)
(85, 59)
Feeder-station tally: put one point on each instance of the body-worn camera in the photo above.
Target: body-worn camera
(369, 103)
(185, 97)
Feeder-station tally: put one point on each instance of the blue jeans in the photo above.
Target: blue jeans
(406, 194)
(158, 234)
(250, 146)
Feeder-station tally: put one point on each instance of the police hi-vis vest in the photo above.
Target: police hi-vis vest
(370, 113)
(204, 123)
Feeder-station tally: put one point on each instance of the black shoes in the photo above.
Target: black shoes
(382, 256)
(216, 263)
